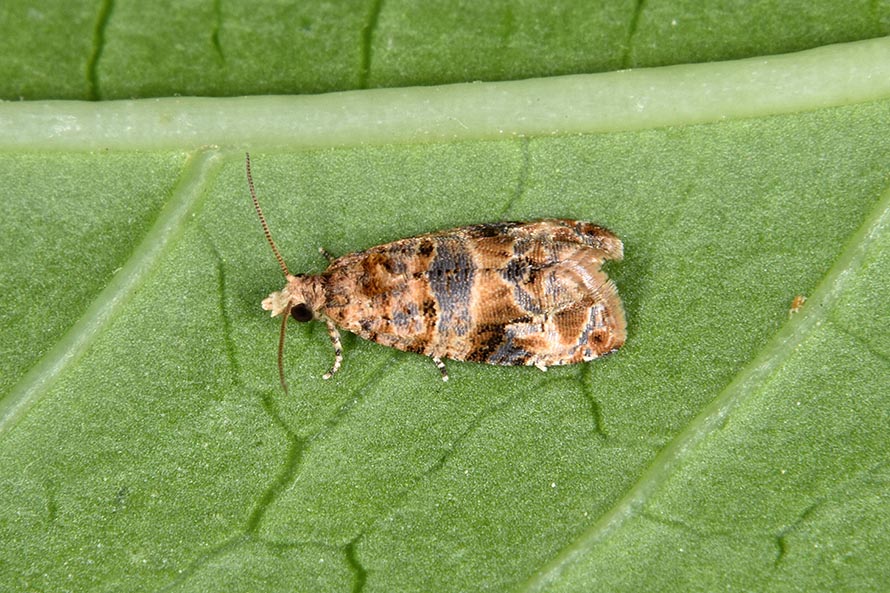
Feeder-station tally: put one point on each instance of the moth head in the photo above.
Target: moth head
(301, 298)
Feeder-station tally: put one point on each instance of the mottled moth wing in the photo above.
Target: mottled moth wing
(504, 293)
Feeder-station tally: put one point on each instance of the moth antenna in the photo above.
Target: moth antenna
(266, 231)
(281, 349)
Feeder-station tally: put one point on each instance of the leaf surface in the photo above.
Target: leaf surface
(731, 444)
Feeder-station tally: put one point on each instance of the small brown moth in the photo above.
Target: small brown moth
(507, 293)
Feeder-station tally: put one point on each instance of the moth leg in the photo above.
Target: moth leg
(327, 254)
(338, 349)
(441, 366)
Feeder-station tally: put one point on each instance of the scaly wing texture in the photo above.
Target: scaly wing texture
(504, 293)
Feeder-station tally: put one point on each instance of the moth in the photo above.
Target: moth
(506, 293)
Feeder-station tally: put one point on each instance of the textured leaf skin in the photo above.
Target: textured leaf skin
(145, 443)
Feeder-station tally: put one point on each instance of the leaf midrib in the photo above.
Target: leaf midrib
(626, 100)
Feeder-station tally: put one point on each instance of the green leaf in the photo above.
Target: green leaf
(72, 49)
(145, 443)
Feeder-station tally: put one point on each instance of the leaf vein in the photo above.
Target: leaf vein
(98, 47)
(112, 300)
(714, 416)
(367, 42)
(632, 33)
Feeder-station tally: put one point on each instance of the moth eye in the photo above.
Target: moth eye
(301, 312)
